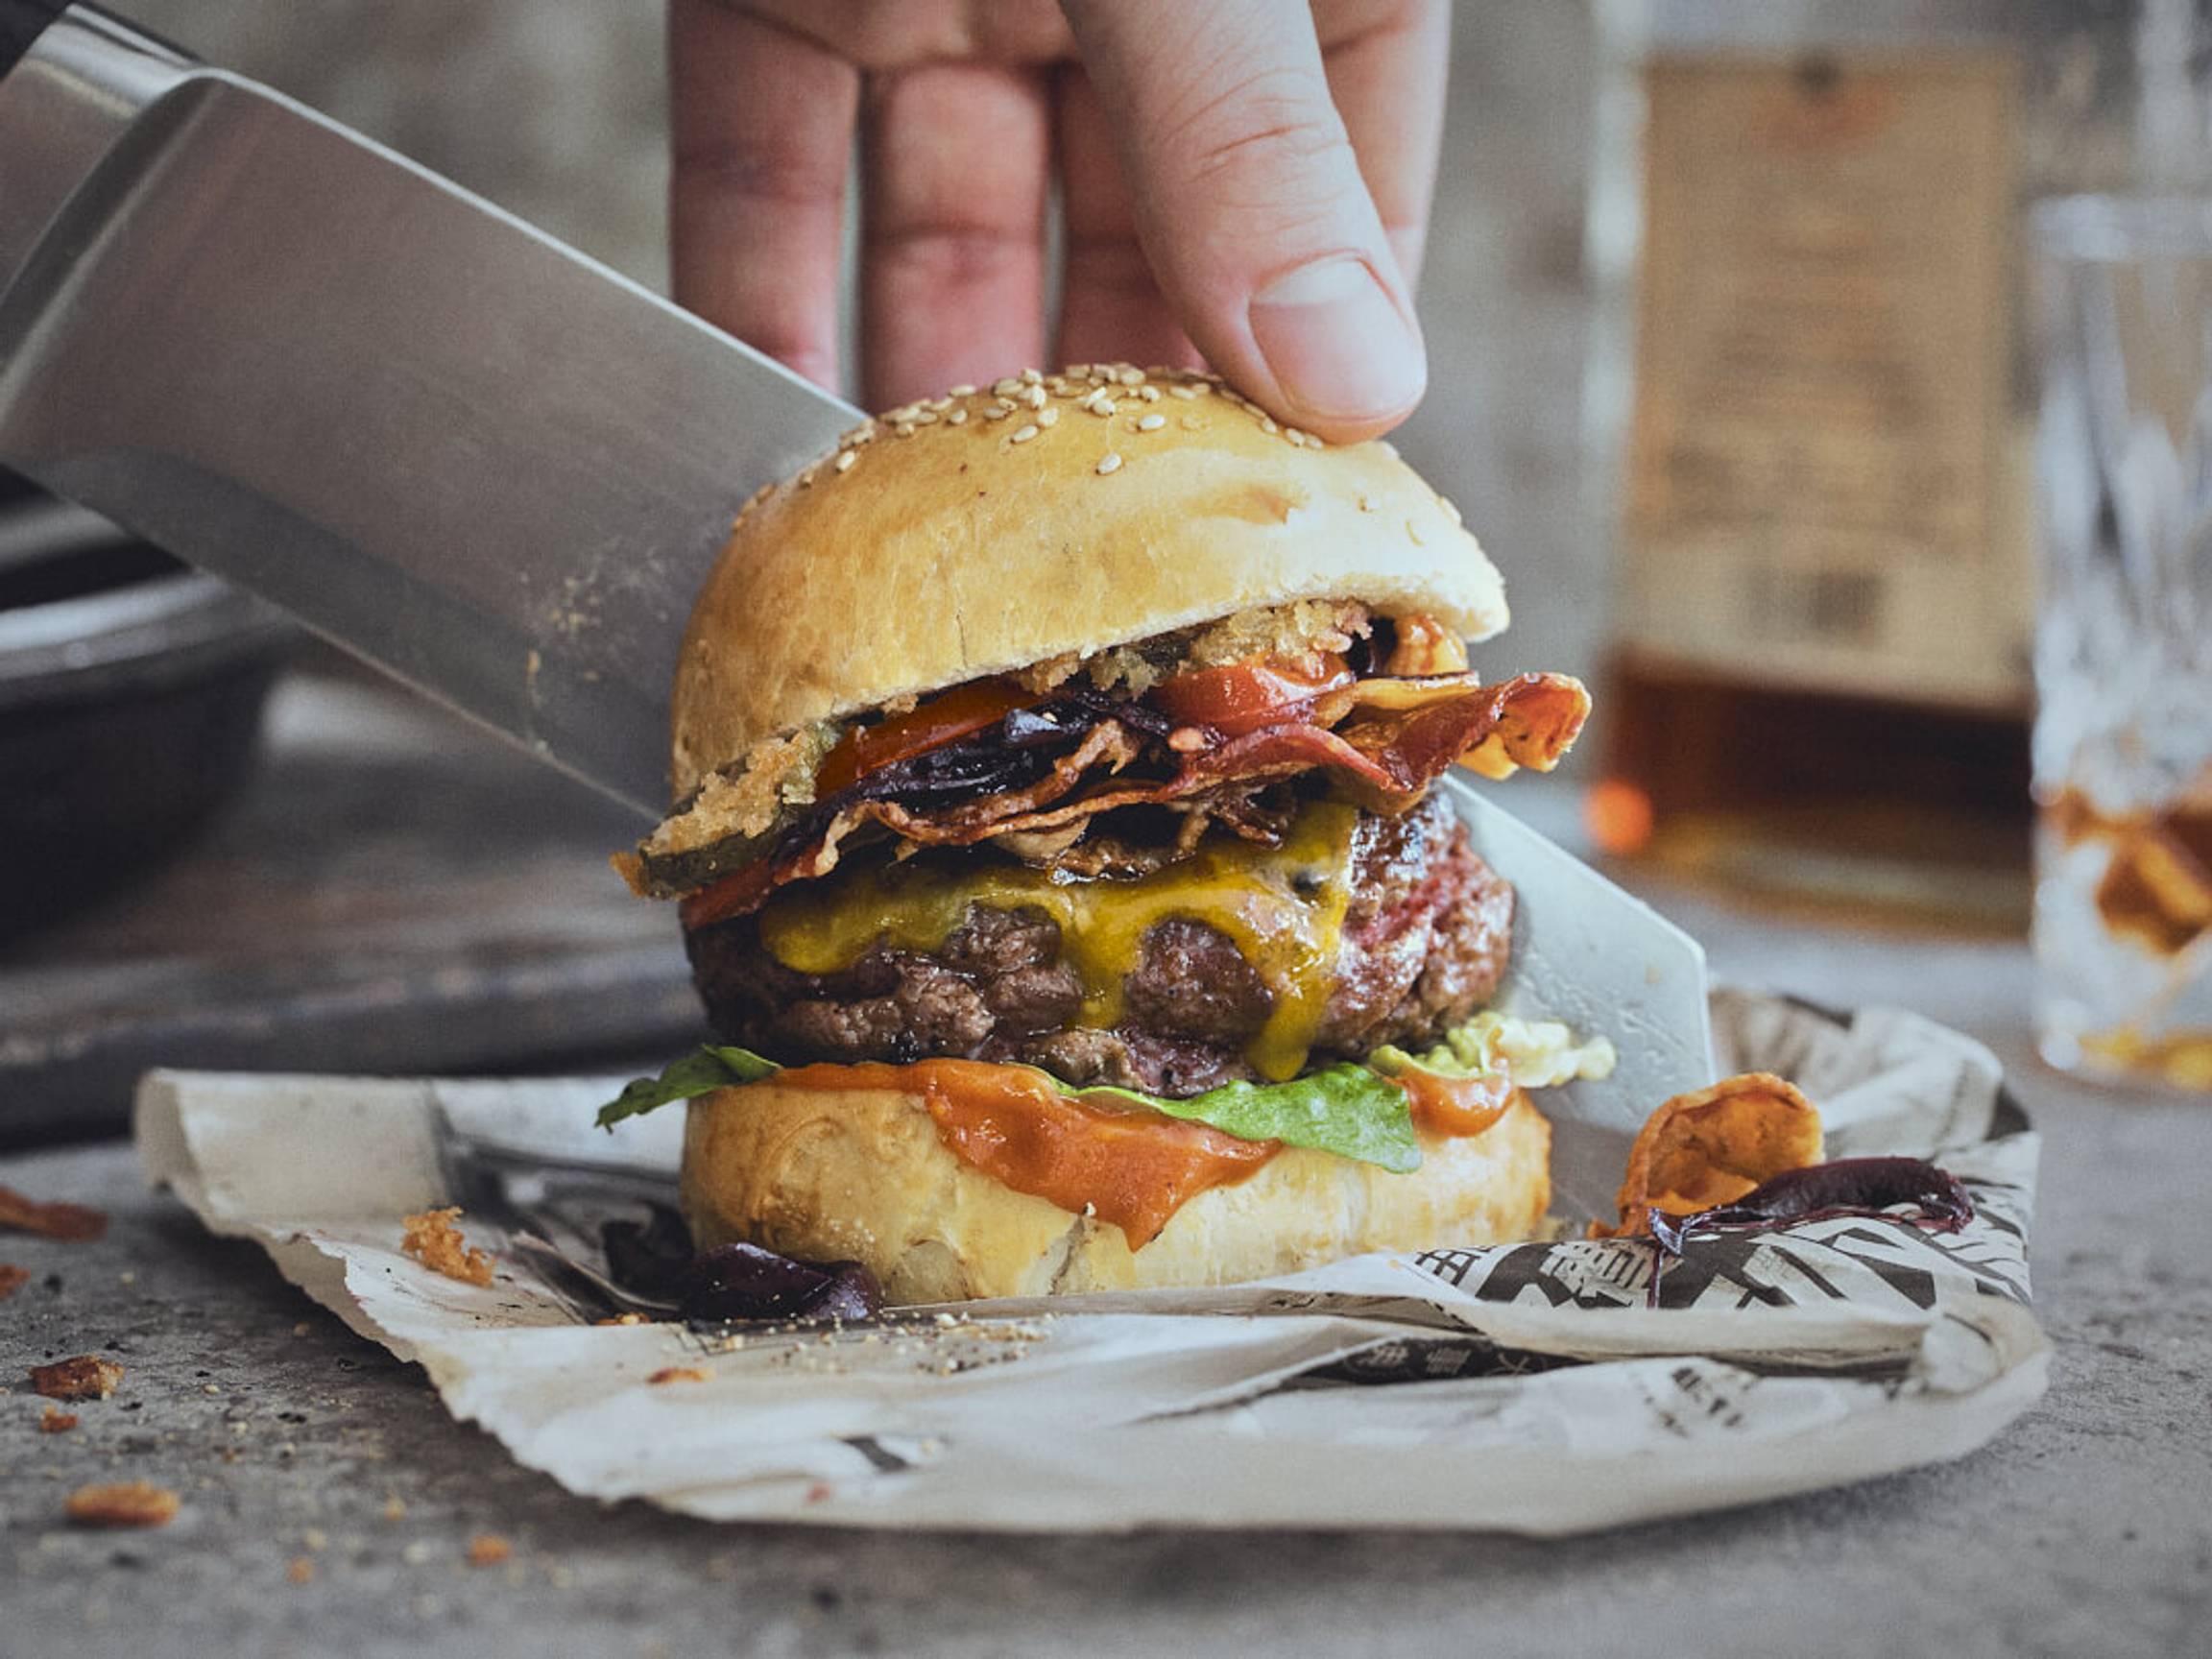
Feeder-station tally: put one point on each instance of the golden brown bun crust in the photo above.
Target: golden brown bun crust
(956, 552)
(862, 1175)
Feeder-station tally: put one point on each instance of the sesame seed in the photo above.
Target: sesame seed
(1151, 422)
(1075, 370)
(963, 389)
(846, 459)
(1109, 463)
(927, 418)
(1031, 376)
(1037, 396)
(1048, 416)
(1005, 388)
(997, 410)
(1295, 436)
(1269, 423)
(1099, 405)
(1186, 390)
(904, 429)
(1022, 434)
(958, 418)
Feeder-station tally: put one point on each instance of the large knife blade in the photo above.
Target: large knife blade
(495, 468)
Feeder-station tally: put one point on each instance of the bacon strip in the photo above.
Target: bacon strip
(1391, 739)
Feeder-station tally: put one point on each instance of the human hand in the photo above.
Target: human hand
(1248, 179)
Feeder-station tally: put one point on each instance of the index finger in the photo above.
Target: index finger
(760, 130)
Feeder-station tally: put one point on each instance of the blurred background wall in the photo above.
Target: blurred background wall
(554, 108)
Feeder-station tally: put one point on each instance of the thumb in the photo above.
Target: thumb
(1251, 210)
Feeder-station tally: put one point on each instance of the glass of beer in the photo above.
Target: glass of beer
(2123, 743)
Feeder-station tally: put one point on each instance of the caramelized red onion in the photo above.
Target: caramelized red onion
(1841, 1187)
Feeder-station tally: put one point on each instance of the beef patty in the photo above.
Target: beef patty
(1424, 944)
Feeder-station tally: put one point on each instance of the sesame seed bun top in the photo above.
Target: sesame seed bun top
(995, 528)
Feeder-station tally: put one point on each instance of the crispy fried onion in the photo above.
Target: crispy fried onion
(1381, 741)
(1710, 1147)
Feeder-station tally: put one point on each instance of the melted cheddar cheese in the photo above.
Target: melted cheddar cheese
(1283, 910)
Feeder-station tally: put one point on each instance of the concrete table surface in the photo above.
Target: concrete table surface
(2086, 1529)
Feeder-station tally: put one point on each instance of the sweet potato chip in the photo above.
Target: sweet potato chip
(1712, 1146)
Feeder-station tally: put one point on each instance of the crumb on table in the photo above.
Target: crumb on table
(79, 1377)
(123, 1504)
(73, 1223)
(488, 1549)
(54, 1421)
(677, 1374)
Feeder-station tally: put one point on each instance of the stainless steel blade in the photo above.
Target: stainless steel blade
(1609, 964)
(489, 464)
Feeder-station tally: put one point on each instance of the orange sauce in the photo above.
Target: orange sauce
(1132, 1169)
(1455, 1107)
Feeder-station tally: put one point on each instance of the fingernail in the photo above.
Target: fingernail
(1337, 345)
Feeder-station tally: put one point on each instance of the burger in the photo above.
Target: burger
(1060, 855)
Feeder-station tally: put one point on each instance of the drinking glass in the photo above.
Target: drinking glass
(2123, 740)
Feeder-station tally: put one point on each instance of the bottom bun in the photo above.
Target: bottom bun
(860, 1174)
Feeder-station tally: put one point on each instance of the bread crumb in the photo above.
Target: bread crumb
(13, 1279)
(81, 1377)
(488, 1549)
(394, 1508)
(624, 1319)
(432, 1239)
(677, 1374)
(54, 1421)
(1280, 630)
(300, 1570)
(1041, 677)
(124, 1504)
(74, 1223)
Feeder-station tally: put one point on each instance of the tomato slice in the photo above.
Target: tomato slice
(1245, 696)
(943, 718)
(724, 896)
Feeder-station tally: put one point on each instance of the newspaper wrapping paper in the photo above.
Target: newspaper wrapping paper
(1530, 1387)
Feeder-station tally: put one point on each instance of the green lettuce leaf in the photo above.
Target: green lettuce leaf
(1346, 1108)
(698, 1072)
